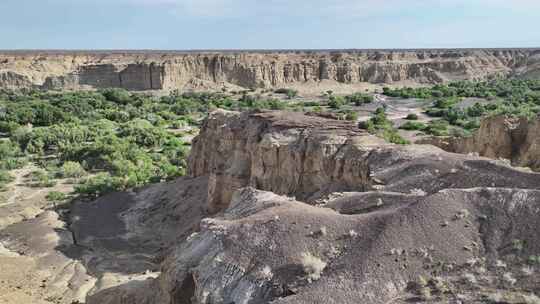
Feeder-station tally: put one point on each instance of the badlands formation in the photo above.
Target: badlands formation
(308, 71)
(283, 207)
(289, 207)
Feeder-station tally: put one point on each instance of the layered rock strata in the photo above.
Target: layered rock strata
(514, 139)
(213, 70)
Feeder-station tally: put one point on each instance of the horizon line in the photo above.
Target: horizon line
(262, 50)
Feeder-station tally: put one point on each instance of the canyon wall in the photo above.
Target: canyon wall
(269, 69)
(515, 139)
(286, 153)
(309, 157)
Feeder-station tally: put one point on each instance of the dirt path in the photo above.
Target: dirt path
(22, 201)
(15, 187)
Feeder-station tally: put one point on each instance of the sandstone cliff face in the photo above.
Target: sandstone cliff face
(287, 153)
(310, 157)
(168, 71)
(517, 140)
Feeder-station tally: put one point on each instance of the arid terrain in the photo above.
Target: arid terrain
(286, 208)
(275, 189)
(311, 72)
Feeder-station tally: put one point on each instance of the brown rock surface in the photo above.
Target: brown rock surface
(271, 69)
(517, 140)
(310, 157)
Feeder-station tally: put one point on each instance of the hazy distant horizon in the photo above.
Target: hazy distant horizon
(165, 51)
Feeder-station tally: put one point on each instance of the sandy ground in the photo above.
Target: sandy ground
(93, 246)
(22, 202)
(31, 270)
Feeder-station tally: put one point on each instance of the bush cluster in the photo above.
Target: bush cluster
(513, 97)
(125, 136)
(380, 125)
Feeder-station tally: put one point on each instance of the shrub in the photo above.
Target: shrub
(472, 124)
(359, 98)
(392, 136)
(72, 169)
(144, 133)
(413, 125)
(367, 125)
(291, 93)
(311, 104)
(437, 128)
(55, 196)
(533, 260)
(11, 156)
(412, 116)
(353, 116)
(98, 185)
(8, 126)
(380, 125)
(517, 245)
(41, 178)
(336, 102)
(9, 149)
(5, 178)
(313, 266)
(445, 103)
(117, 95)
(13, 163)
(179, 124)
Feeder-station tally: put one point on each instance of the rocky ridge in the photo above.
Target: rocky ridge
(265, 69)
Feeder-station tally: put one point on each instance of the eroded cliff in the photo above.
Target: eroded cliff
(515, 139)
(213, 70)
(309, 157)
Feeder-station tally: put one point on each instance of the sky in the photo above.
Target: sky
(267, 24)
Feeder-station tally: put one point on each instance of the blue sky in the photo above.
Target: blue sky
(267, 24)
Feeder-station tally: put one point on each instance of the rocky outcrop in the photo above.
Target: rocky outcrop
(515, 139)
(309, 157)
(177, 70)
(286, 153)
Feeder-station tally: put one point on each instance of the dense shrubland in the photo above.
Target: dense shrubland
(380, 125)
(110, 139)
(113, 139)
(512, 97)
